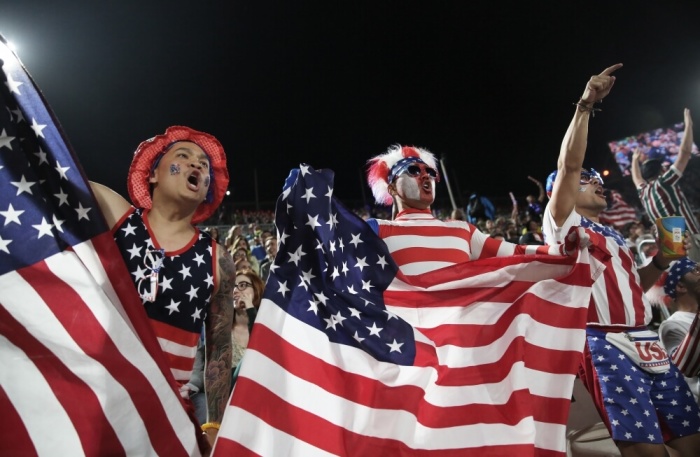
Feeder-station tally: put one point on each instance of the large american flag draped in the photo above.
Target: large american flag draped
(82, 373)
(350, 357)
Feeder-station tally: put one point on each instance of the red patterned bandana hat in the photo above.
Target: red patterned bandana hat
(383, 169)
(149, 153)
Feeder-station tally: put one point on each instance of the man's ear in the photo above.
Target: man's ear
(392, 189)
(152, 178)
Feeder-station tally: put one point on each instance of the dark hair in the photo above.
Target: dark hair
(651, 169)
(258, 285)
(238, 241)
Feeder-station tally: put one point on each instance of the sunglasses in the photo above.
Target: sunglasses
(415, 170)
(243, 285)
(588, 176)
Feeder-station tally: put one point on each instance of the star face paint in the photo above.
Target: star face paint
(174, 169)
(207, 180)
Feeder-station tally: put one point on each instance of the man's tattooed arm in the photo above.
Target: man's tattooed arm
(217, 374)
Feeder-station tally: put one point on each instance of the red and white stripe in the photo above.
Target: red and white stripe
(77, 377)
(419, 243)
(620, 212)
(618, 297)
(687, 355)
(498, 342)
(180, 348)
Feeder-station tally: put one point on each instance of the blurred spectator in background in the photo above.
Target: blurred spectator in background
(240, 245)
(532, 235)
(659, 189)
(535, 205)
(214, 233)
(241, 261)
(235, 232)
(480, 208)
(458, 214)
(258, 248)
(271, 253)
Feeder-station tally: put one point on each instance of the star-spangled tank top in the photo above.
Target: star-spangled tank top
(185, 283)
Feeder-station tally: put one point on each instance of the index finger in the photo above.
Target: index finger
(611, 69)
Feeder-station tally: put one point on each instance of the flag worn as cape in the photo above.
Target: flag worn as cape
(349, 357)
(82, 372)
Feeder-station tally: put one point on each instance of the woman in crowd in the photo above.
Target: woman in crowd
(247, 295)
(240, 244)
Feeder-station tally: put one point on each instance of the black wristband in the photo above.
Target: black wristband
(655, 262)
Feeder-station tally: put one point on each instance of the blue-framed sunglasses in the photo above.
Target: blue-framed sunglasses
(587, 176)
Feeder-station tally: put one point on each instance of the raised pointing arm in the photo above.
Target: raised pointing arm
(573, 147)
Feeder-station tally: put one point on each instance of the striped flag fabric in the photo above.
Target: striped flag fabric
(348, 356)
(619, 213)
(687, 355)
(82, 373)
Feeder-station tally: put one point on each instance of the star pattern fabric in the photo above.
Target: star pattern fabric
(77, 353)
(44, 206)
(604, 230)
(639, 404)
(678, 269)
(353, 299)
(184, 287)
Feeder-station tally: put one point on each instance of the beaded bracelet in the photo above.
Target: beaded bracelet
(208, 425)
(585, 108)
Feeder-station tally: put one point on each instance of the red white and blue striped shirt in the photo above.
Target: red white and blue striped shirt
(419, 242)
(617, 298)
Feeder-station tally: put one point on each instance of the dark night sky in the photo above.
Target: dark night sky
(331, 83)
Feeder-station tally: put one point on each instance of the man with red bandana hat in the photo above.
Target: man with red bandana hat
(405, 177)
(185, 279)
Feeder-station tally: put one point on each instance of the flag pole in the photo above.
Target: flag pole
(447, 181)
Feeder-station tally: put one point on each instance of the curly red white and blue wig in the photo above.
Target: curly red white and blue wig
(384, 168)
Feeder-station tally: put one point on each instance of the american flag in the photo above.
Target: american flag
(82, 373)
(619, 213)
(348, 356)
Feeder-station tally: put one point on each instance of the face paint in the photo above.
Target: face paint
(582, 188)
(409, 189)
(206, 181)
(174, 168)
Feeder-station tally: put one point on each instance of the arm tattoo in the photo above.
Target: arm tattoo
(217, 378)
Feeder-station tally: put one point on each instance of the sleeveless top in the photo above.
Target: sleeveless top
(183, 282)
